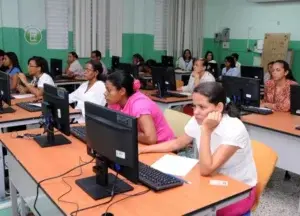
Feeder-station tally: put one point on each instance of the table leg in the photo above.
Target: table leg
(2, 174)
(14, 199)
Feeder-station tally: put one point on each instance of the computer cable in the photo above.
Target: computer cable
(51, 178)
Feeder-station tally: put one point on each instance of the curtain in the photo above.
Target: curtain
(185, 27)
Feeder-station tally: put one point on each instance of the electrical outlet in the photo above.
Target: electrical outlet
(225, 45)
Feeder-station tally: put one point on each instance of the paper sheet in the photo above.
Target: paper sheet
(36, 104)
(22, 96)
(175, 165)
(186, 93)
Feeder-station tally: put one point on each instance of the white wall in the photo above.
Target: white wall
(241, 15)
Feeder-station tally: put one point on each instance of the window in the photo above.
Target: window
(160, 24)
(57, 22)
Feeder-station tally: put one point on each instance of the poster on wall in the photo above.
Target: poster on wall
(32, 35)
(275, 47)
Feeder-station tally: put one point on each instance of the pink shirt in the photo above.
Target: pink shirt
(139, 104)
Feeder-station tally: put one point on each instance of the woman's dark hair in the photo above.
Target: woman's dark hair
(40, 62)
(286, 67)
(97, 66)
(207, 53)
(230, 60)
(204, 62)
(271, 63)
(74, 54)
(139, 57)
(183, 54)
(97, 53)
(14, 59)
(215, 93)
(2, 53)
(235, 55)
(124, 80)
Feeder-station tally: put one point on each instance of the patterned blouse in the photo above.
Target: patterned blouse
(279, 97)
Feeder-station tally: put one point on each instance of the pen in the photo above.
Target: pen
(181, 179)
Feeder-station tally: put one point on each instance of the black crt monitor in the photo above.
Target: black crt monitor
(167, 61)
(115, 60)
(129, 69)
(56, 67)
(55, 109)
(295, 102)
(112, 138)
(163, 79)
(242, 91)
(253, 72)
(5, 93)
(213, 69)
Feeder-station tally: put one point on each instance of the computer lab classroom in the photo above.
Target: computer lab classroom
(149, 107)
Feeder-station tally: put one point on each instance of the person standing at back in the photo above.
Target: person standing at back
(96, 56)
(74, 68)
(11, 62)
(185, 62)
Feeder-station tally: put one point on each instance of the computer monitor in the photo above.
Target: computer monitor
(253, 72)
(163, 79)
(213, 69)
(55, 109)
(128, 68)
(5, 93)
(56, 67)
(242, 91)
(112, 138)
(115, 60)
(295, 102)
(167, 61)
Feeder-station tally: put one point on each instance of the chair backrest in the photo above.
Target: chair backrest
(265, 160)
(179, 83)
(177, 121)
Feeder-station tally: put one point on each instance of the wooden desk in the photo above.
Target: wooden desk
(278, 131)
(25, 171)
(167, 103)
(19, 118)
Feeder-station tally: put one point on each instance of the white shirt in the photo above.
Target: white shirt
(207, 77)
(230, 131)
(186, 66)
(76, 68)
(238, 66)
(212, 61)
(44, 79)
(231, 72)
(267, 77)
(95, 95)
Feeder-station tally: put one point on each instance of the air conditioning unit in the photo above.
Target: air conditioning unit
(269, 1)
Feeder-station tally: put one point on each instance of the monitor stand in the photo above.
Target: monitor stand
(4, 110)
(51, 139)
(100, 186)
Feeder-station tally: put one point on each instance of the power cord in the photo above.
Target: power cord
(51, 178)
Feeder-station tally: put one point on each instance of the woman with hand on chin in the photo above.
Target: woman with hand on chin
(222, 140)
(277, 90)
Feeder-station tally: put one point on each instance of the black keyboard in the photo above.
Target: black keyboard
(79, 132)
(257, 110)
(171, 94)
(155, 179)
(29, 107)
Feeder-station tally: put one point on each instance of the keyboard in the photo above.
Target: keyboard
(29, 107)
(155, 179)
(171, 94)
(79, 132)
(257, 110)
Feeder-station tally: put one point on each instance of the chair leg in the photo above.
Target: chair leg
(287, 176)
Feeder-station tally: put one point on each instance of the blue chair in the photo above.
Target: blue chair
(247, 214)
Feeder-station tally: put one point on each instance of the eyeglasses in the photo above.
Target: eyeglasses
(32, 66)
(88, 69)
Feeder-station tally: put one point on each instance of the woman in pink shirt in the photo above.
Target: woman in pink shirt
(123, 95)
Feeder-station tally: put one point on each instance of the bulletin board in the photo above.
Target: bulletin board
(275, 47)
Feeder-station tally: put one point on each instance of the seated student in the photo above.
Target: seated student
(123, 95)
(277, 90)
(199, 75)
(209, 56)
(74, 68)
(268, 74)
(230, 69)
(36, 66)
(236, 58)
(97, 56)
(11, 62)
(2, 67)
(93, 90)
(185, 62)
(223, 143)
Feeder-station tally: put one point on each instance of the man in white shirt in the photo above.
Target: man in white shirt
(74, 69)
(97, 56)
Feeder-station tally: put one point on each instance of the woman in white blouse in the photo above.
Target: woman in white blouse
(93, 90)
(222, 141)
(209, 56)
(185, 62)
